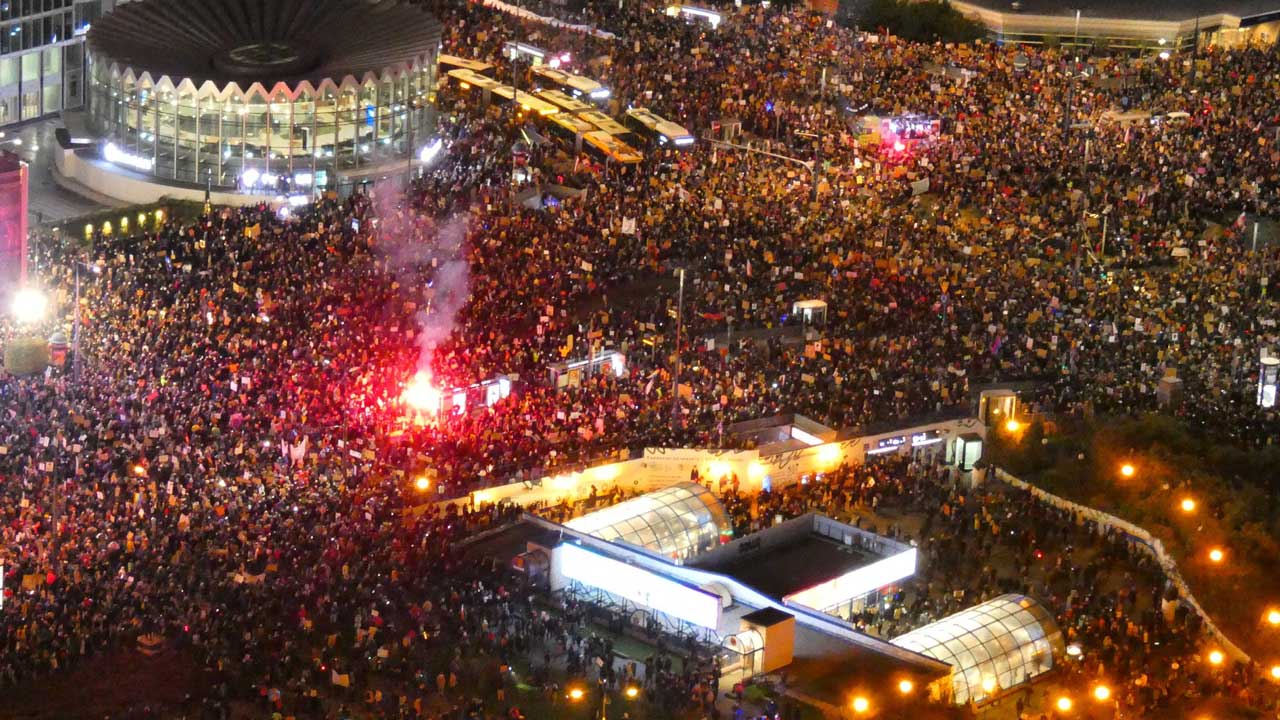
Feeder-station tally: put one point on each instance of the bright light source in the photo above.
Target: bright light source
(249, 177)
(861, 705)
(29, 305)
(829, 455)
(1127, 470)
(430, 150)
(1275, 672)
(1164, 55)
(1216, 555)
(422, 484)
(1216, 657)
(576, 694)
(1064, 704)
(115, 155)
(1273, 617)
(899, 146)
(633, 692)
(906, 686)
(1188, 505)
(421, 395)
(1102, 693)
(139, 470)
(1012, 425)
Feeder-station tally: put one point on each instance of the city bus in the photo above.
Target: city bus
(569, 129)
(610, 149)
(528, 102)
(606, 123)
(657, 129)
(453, 62)
(574, 85)
(531, 54)
(472, 81)
(564, 102)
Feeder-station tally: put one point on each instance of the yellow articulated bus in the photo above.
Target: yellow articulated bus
(568, 83)
(569, 130)
(610, 149)
(606, 123)
(453, 62)
(472, 81)
(656, 129)
(564, 102)
(527, 102)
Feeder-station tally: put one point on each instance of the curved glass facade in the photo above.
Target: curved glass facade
(991, 647)
(281, 140)
(678, 521)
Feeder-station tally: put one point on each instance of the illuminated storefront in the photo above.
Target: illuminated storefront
(329, 88)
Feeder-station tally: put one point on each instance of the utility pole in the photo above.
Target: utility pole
(675, 379)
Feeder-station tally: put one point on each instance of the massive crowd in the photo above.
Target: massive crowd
(237, 413)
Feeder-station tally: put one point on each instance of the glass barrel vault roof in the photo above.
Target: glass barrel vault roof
(1005, 641)
(677, 521)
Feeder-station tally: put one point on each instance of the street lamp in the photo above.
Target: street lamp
(29, 305)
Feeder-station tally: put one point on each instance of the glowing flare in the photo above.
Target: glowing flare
(421, 395)
(1064, 703)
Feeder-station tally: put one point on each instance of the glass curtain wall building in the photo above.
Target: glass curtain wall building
(337, 87)
(678, 521)
(991, 647)
(42, 56)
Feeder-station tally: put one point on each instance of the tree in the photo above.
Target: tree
(928, 21)
(26, 356)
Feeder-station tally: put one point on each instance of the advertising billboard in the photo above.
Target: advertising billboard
(642, 587)
(13, 225)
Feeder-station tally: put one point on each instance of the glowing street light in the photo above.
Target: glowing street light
(29, 305)
(1064, 704)
(906, 686)
(1128, 470)
(1216, 657)
(861, 705)
(1216, 555)
(1102, 693)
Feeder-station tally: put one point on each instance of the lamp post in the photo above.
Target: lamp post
(675, 378)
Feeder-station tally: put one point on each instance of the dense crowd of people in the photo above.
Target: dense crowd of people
(236, 409)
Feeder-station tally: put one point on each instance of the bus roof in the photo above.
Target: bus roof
(575, 125)
(578, 83)
(453, 61)
(611, 146)
(527, 101)
(471, 77)
(693, 11)
(673, 132)
(564, 102)
(604, 122)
